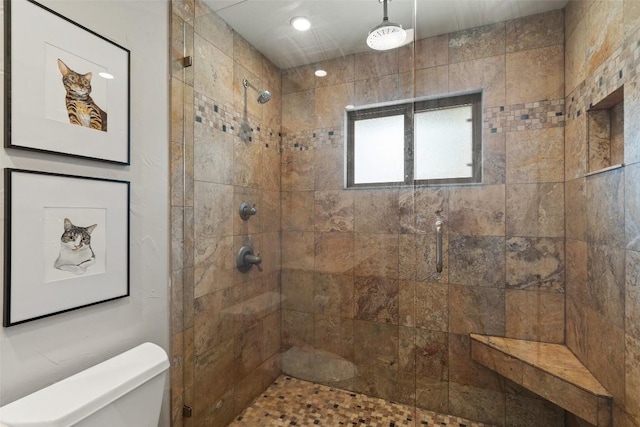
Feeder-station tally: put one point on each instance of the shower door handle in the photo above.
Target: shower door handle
(439, 246)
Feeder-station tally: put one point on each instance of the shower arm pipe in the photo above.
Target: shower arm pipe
(246, 84)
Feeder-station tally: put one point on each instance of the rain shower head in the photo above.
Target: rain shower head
(264, 95)
(386, 35)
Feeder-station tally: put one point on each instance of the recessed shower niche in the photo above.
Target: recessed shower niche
(606, 132)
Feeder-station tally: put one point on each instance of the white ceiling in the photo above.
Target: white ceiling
(340, 27)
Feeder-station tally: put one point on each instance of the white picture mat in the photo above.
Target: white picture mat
(30, 194)
(32, 28)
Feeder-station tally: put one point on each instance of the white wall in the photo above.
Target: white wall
(38, 353)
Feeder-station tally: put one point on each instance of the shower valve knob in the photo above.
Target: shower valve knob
(246, 210)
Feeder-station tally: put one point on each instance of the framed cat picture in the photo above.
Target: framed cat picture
(66, 87)
(66, 243)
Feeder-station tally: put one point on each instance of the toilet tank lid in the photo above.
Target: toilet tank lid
(76, 397)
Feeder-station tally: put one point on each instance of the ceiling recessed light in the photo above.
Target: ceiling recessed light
(105, 75)
(300, 23)
(321, 73)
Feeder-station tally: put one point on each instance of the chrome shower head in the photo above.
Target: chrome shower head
(264, 95)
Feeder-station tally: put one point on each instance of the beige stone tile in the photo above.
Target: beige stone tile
(334, 295)
(576, 334)
(523, 410)
(561, 393)
(213, 209)
(535, 156)
(576, 276)
(270, 251)
(215, 373)
(599, 140)
(177, 303)
(420, 208)
(185, 9)
(330, 104)
(406, 58)
(177, 111)
(298, 111)
(272, 326)
(248, 349)
(632, 376)
(298, 79)
(376, 64)
(430, 311)
(376, 255)
(377, 379)
(605, 34)
(212, 325)
(328, 169)
(298, 290)
(407, 259)
(334, 252)
(632, 294)
(432, 51)
(535, 264)
(575, 50)
(494, 158)
(270, 211)
(297, 329)
(333, 211)
(477, 261)
(631, 126)
(504, 364)
(477, 210)
(476, 310)
(605, 208)
(247, 163)
(432, 395)
(377, 211)
(215, 266)
(376, 90)
(213, 71)
(617, 133)
(217, 32)
(486, 406)
(334, 335)
(606, 353)
(631, 17)
(271, 163)
(177, 378)
(247, 56)
(376, 299)
(431, 354)
(463, 369)
(432, 81)
(297, 170)
(632, 206)
(297, 210)
(606, 280)
(535, 75)
(576, 147)
(576, 209)
(534, 31)
(176, 159)
(213, 155)
(535, 316)
(487, 74)
(425, 258)
(375, 342)
(479, 42)
(339, 70)
(535, 210)
(406, 302)
(297, 250)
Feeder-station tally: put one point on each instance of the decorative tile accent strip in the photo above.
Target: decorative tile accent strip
(533, 115)
(621, 66)
(226, 119)
(293, 402)
(312, 139)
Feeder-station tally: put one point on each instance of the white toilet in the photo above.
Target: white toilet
(124, 391)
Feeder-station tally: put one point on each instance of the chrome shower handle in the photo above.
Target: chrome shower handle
(439, 246)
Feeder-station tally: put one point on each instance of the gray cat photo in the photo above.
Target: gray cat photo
(76, 254)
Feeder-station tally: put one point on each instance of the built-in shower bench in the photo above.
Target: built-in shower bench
(549, 370)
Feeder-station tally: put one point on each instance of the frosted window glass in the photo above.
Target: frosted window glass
(443, 143)
(379, 150)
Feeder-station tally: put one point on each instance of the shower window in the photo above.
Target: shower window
(434, 141)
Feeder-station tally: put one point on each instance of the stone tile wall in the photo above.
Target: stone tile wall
(602, 235)
(359, 284)
(225, 324)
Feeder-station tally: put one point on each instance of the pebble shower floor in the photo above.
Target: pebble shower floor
(293, 402)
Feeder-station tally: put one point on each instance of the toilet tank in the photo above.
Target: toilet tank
(124, 391)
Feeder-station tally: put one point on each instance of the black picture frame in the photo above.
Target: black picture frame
(39, 114)
(42, 280)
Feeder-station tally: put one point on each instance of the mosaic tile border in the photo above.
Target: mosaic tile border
(532, 115)
(227, 119)
(293, 402)
(312, 139)
(620, 67)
